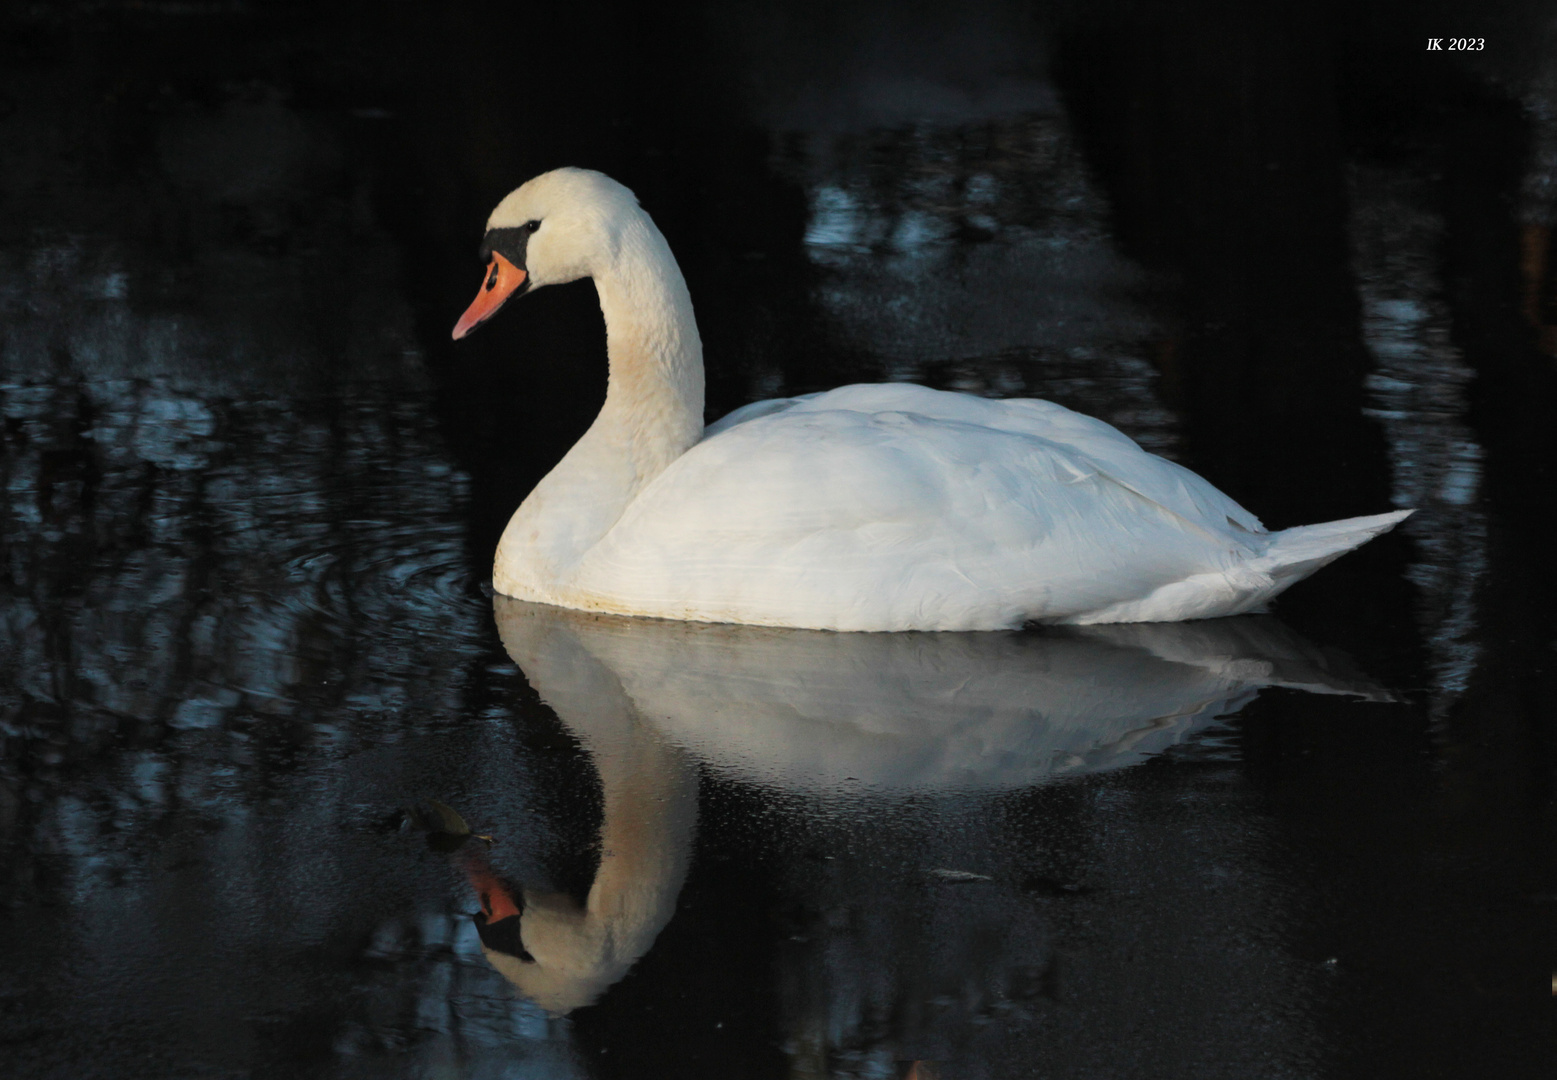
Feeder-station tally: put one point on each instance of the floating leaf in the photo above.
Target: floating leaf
(446, 830)
(448, 818)
(437, 817)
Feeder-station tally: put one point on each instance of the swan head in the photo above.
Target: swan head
(561, 226)
(544, 943)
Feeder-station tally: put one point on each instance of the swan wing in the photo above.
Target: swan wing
(896, 506)
(1105, 446)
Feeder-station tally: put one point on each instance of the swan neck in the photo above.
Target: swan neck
(653, 414)
(654, 394)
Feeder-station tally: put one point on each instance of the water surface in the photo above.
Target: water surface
(252, 492)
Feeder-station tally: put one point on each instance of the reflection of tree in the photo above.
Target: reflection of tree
(977, 257)
(1216, 132)
(234, 559)
(209, 604)
(200, 519)
(1419, 386)
(974, 179)
(210, 550)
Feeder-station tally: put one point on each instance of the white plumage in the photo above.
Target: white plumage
(872, 507)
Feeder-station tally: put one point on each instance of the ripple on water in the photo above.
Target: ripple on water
(228, 557)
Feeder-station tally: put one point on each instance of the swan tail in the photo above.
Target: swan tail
(1295, 553)
(1291, 556)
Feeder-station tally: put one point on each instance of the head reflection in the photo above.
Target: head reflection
(833, 713)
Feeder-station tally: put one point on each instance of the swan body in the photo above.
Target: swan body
(871, 507)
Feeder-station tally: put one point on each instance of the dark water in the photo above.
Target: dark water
(252, 492)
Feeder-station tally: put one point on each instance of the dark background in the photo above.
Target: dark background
(253, 487)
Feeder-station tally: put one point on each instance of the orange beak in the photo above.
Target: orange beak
(502, 279)
(497, 903)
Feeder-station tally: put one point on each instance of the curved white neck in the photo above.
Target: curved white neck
(654, 397)
(653, 413)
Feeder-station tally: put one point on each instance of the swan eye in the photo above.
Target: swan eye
(492, 277)
(532, 226)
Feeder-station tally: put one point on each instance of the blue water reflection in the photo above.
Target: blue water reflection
(980, 259)
(251, 497)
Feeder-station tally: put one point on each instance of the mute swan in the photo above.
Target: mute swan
(868, 507)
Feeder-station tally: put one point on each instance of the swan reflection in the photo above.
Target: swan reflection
(826, 713)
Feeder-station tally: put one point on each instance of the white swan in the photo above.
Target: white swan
(882, 507)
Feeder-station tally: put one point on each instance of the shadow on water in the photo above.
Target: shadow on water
(252, 491)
